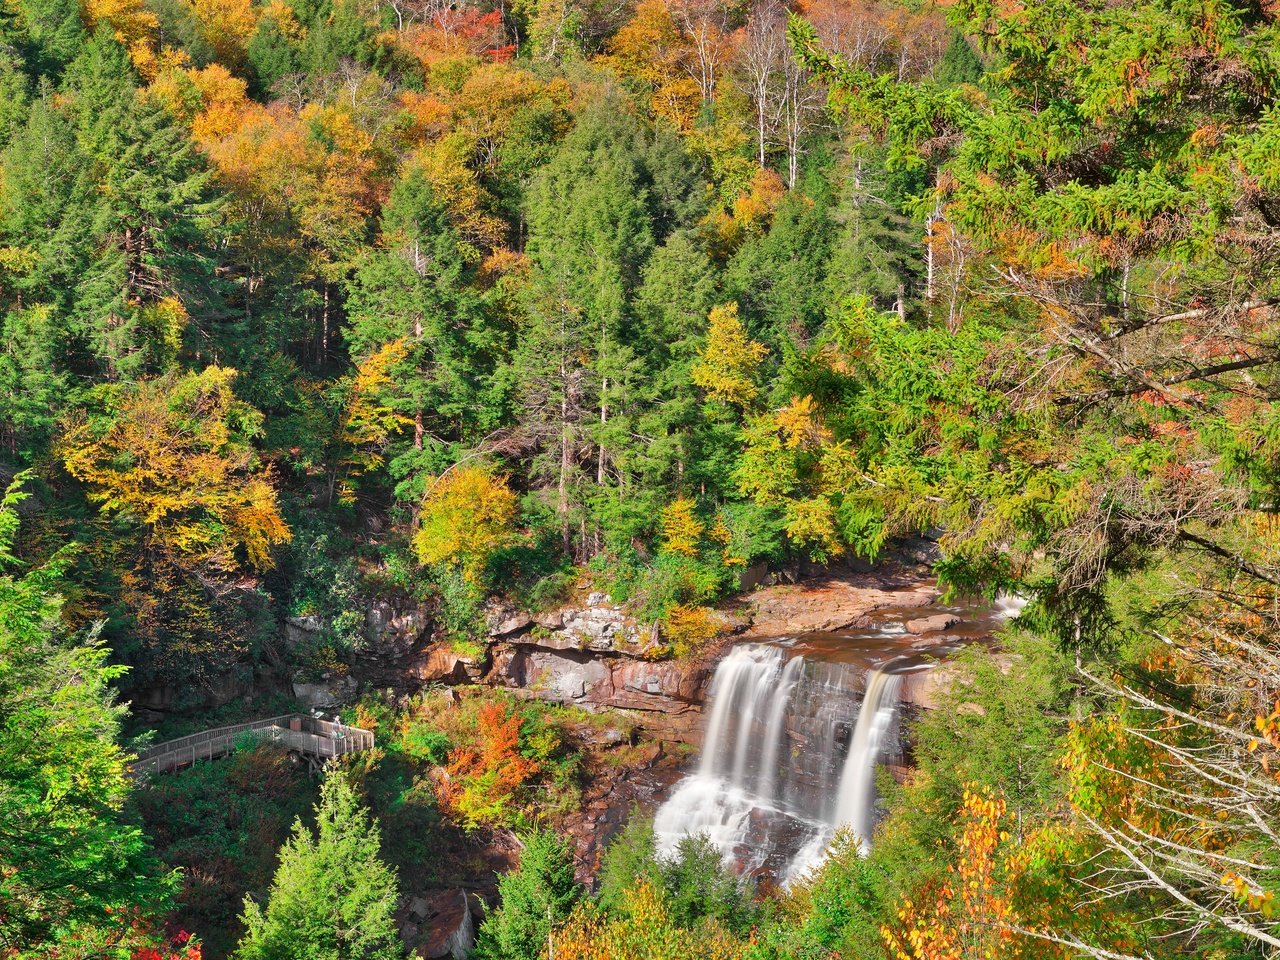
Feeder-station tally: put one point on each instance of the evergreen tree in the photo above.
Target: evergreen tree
(671, 306)
(54, 32)
(959, 64)
(145, 195)
(779, 279)
(272, 53)
(417, 289)
(68, 862)
(536, 896)
(13, 94)
(333, 898)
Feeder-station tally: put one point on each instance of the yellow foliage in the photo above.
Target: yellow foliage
(681, 529)
(729, 358)
(135, 26)
(689, 628)
(367, 422)
(812, 523)
(316, 168)
(971, 914)
(164, 323)
(468, 514)
(457, 186)
(174, 455)
(801, 425)
(643, 931)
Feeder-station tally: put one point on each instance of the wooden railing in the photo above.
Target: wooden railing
(299, 732)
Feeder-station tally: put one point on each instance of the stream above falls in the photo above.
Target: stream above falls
(796, 728)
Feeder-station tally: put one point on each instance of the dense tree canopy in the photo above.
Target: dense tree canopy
(304, 302)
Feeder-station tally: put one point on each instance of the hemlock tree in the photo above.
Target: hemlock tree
(68, 864)
(333, 898)
(536, 896)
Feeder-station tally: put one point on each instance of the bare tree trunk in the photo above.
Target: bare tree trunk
(604, 418)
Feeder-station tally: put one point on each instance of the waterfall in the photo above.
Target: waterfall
(855, 802)
(790, 753)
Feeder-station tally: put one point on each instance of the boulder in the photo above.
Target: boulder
(934, 624)
(453, 931)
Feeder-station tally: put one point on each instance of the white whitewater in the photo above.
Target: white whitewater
(790, 756)
(855, 803)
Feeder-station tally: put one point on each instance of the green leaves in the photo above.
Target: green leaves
(69, 865)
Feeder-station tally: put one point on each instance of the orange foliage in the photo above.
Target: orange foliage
(652, 48)
(307, 178)
(481, 784)
(970, 915)
(226, 25)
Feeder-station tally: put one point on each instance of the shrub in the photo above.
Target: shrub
(423, 743)
(688, 629)
(484, 780)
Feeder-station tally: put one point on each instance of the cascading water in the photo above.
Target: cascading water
(789, 757)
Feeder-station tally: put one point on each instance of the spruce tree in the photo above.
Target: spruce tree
(69, 864)
(333, 897)
(417, 288)
(535, 897)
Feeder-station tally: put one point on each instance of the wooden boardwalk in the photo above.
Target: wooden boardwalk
(316, 740)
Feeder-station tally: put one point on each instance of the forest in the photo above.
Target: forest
(464, 307)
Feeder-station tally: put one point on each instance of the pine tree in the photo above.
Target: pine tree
(536, 896)
(333, 897)
(54, 31)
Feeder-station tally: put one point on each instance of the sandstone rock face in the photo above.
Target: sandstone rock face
(829, 604)
(599, 627)
(669, 694)
(395, 629)
(504, 619)
(441, 664)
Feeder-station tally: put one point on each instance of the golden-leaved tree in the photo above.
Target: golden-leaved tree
(188, 508)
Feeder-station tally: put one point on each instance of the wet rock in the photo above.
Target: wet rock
(327, 694)
(935, 624)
